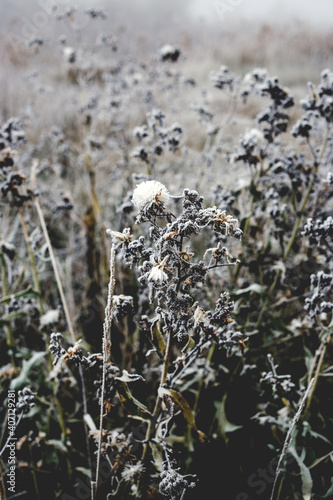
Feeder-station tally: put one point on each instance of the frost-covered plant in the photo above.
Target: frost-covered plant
(172, 280)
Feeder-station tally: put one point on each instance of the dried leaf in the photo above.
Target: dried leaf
(132, 405)
(184, 406)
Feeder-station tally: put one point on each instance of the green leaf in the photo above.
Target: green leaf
(320, 436)
(190, 344)
(24, 293)
(156, 335)
(59, 445)
(307, 482)
(329, 493)
(84, 471)
(8, 317)
(224, 425)
(23, 378)
(255, 288)
(184, 406)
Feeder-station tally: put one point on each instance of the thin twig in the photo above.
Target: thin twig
(55, 268)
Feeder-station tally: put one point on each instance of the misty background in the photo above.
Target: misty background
(290, 38)
(159, 14)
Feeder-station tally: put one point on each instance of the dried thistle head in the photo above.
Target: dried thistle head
(150, 195)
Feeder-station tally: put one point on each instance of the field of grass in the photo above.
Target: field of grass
(168, 339)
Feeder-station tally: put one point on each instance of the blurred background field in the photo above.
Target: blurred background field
(292, 40)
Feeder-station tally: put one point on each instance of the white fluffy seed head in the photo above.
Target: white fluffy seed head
(158, 276)
(199, 316)
(132, 471)
(149, 193)
(255, 135)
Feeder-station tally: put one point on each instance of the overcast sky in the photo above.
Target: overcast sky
(314, 12)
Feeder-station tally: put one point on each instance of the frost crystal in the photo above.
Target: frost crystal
(150, 193)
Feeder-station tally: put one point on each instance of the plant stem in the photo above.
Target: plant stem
(106, 356)
(321, 352)
(198, 392)
(24, 292)
(9, 330)
(32, 261)
(158, 399)
(208, 359)
(166, 359)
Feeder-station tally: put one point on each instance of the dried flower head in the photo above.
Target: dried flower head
(26, 400)
(69, 54)
(150, 194)
(123, 305)
(119, 239)
(157, 275)
(199, 316)
(169, 53)
(172, 484)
